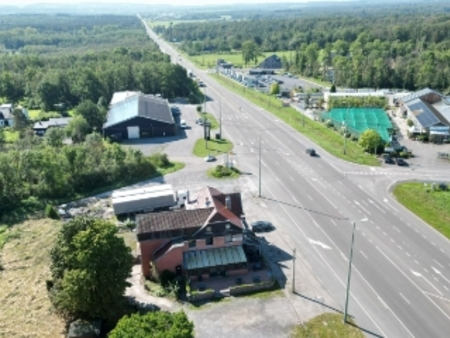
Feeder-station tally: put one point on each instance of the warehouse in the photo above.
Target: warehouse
(136, 115)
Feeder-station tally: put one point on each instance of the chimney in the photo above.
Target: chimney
(228, 202)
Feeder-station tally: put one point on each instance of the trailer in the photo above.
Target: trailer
(151, 199)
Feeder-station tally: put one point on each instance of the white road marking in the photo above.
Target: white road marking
(415, 261)
(372, 202)
(291, 178)
(424, 236)
(358, 204)
(251, 150)
(324, 246)
(252, 142)
(365, 203)
(442, 250)
(438, 263)
(392, 240)
(436, 296)
(362, 253)
(333, 222)
(383, 302)
(396, 229)
(341, 183)
(384, 233)
(440, 274)
(310, 198)
(418, 274)
(405, 298)
(370, 240)
(445, 288)
(408, 254)
(433, 243)
(387, 202)
(399, 247)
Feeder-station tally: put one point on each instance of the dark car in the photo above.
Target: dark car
(261, 226)
(311, 152)
(389, 160)
(401, 162)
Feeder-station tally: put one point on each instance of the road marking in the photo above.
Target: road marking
(364, 234)
(436, 279)
(418, 274)
(433, 243)
(359, 205)
(362, 253)
(384, 233)
(399, 247)
(405, 298)
(387, 202)
(378, 228)
(252, 142)
(324, 246)
(397, 229)
(445, 288)
(341, 183)
(425, 270)
(424, 236)
(440, 274)
(372, 202)
(333, 222)
(365, 203)
(438, 263)
(415, 261)
(433, 295)
(251, 149)
(382, 302)
(360, 187)
(291, 178)
(310, 198)
(442, 250)
(277, 163)
(319, 165)
(370, 240)
(392, 240)
(416, 230)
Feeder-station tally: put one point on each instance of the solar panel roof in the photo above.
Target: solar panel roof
(423, 113)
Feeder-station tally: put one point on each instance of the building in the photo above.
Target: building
(430, 113)
(41, 127)
(203, 240)
(271, 62)
(6, 115)
(135, 115)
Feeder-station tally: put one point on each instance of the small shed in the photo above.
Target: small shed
(84, 329)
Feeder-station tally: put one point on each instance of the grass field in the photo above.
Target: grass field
(26, 310)
(327, 325)
(326, 138)
(214, 147)
(218, 172)
(11, 135)
(212, 119)
(431, 206)
(34, 114)
(209, 60)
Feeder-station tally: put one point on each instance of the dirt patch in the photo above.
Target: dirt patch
(25, 309)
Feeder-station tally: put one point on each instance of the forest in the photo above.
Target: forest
(373, 48)
(49, 60)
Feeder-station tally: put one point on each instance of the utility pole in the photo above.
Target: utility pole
(260, 165)
(220, 113)
(293, 270)
(345, 130)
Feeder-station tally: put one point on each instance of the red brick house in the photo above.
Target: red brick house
(205, 239)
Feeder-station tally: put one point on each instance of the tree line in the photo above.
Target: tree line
(377, 49)
(134, 63)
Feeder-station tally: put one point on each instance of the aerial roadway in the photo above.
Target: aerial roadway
(400, 282)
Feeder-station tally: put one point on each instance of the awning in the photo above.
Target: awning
(439, 130)
(214, 257)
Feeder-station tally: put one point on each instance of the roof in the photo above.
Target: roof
(419, 94)
(5, 113)
(425, 113)
(214, 257)
(139, 105)
(444, 109)
(140, 191)
(53, 122)
(172, 220)
(120, 96)
(273, 56)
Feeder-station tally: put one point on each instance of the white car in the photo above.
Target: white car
(183, 124)
(199, 121)
(210, 158)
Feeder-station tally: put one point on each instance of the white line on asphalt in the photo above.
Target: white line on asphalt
(399, 247)
(362, 253)
(425, 270)
(384, 233)
(310, 198)
(445, 288)
(319, 165)
(251, 149)
(442, 251)
(435, 279)
(252, 142)
(433, 295)
(377, 206)
(382, 302)
(333, 222)
(438, 263)
(365, 203)
(433, 243)
(424, 236)
(392, 240)
(341, 183)
(265, 150)
(416, 262)
(360, 187)
(408, 224)
(364, 234)
(408, 254)
(370, 240)
(277, 163)
(291, 178)
(413, 283)
(396, 229)
(405, 298)
(378, 228)
(416, 230)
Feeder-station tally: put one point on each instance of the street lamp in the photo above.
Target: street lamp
(345, 130)
(347, 292)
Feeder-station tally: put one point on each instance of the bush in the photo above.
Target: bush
(166, 278)
(222, 171)
(409, 122)
(50, 212)
(160, 160)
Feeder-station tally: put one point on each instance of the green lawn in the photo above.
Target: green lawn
(328, 139)
(327, 325)
(11, 135)
(212, 119)
(222, 172)
(213, 147)
(431, 206)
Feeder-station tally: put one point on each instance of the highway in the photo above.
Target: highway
(400, 285)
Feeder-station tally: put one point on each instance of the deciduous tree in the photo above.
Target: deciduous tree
(370, 140)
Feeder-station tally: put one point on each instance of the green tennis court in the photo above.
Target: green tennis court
(359, 120)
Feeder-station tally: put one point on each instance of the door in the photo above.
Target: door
(133, 132)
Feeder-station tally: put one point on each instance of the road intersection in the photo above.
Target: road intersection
(401, 271)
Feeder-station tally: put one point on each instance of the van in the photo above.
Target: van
(183, 124)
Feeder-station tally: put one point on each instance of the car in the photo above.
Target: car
(401, 162)
(311, 152)
(262, 226)
(199, 121)
(183, 124)
(389, 160)
(210, 158)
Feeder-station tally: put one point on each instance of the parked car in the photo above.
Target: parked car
(199, 121)
(210, 158)
(401, 162)
(311, 152)
(183, 124)
(262, 226)
(389, 160)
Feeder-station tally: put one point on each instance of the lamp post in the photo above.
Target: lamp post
(347, 291)
(345, 130)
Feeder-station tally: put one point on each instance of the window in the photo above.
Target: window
(209, 240)
(192, 243)
(228, 238)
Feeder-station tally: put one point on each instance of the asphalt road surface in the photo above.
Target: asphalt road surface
(400, 283)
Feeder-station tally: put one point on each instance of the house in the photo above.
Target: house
(271, 62)
(6, 115)
(203, 240)
(136, 115)
(41, 127)
(430, 113)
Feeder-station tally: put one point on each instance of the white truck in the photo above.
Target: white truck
(141, 200)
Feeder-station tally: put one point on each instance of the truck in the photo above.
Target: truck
(190, 73)
(149, 199)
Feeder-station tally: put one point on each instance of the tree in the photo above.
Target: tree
(370, 140)
(92, 113)
(19, 118)
(249, 52)
(154, 324)
(54, 137)
(333, 88)
(275, 89)
(90, 265)
(77, 129)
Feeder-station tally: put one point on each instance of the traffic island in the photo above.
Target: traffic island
(212, 147)
(220, 171)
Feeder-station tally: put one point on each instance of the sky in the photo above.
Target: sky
(153, 2)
